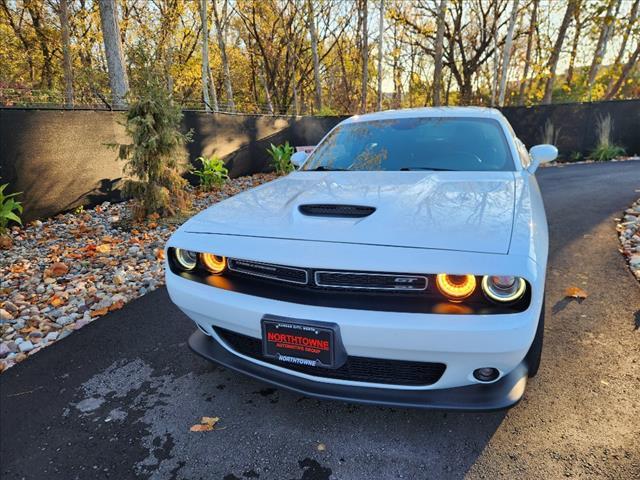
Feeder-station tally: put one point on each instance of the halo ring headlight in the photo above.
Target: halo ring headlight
(213, 263)
(186, 259)
(503, 289)
(456, 287)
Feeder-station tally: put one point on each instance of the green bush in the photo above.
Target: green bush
(9, 209)
(212, 174)
(606, 150)
(157, 156)
(281, 158)
(604, 153)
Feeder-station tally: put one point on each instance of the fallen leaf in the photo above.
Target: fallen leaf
(159, 253)
(58, 269)
(104, 248)
(575, 292)
(209, 421)
(97, 313)
(5, 242)
(201, 428)
(321, 447)
(116, 305)
(153, 216)
(56, 301)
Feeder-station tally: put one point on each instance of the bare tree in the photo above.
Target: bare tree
(118, 79)
(555, 53)
(380, 48)
(222, 46)
(363, 14)
(579, 24)
(603, 40)
(66, 54)
(314, 53)
(506, 53)
(633, 22)
(527, 58)
(437, 66)
(205, 55)
(626, 70)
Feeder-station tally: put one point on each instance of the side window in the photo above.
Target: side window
(524, 154)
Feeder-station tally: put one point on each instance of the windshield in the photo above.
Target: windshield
(460, 144)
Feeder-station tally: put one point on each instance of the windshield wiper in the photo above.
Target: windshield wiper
(428, 169)
(322, 168)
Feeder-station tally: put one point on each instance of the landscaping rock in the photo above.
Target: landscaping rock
(74, 268)
(26, 346)
(629, 233)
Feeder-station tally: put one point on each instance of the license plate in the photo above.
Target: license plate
(302, 342)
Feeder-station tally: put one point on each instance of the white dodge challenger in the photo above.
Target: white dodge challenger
(403, 263)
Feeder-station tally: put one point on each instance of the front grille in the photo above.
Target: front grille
(268, 270)
(330, 210)
(370, 281)
(358, 369)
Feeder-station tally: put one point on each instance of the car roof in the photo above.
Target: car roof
(428, 112)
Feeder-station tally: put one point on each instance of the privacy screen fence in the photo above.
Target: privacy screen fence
(59, 159)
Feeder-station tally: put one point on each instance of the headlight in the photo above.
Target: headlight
(186, 259)
(503, 288)
(456, 287)
(213, 263)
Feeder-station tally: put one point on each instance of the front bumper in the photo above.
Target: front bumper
(504, 393)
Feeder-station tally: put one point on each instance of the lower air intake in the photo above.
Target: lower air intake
(357, 369)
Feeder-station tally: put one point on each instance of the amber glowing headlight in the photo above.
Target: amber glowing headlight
(456, 287)
(213, 263)
(503, 289)
(186, 259)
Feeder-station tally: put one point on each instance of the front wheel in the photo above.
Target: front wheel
(534, 355)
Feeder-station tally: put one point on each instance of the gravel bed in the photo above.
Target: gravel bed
(629, 232)
(65, 272)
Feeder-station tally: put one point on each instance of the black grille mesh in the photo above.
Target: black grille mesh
(370, 281)
(329, 210)
(358, 369)
(268, 270)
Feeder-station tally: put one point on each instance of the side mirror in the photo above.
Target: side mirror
(541, 154)
(298, 158)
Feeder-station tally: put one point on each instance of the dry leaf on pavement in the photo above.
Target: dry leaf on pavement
(575, 292)
(205, 425)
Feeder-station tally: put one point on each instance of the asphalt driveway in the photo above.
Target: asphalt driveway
(116, 399)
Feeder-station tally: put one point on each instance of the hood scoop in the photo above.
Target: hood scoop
(333, 210)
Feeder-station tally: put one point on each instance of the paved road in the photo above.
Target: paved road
(116, 399)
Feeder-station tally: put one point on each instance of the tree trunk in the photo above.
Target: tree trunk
(380, 47)
(633, 21)
(494, 77)
(267, 93)
(603, 40)
(314, 52)
(574, 45)
(118, 79)
(527, 60)
(437, 65)
(66, 54)
(205, 55)
(365, 53)
(222, 46)
(555, 53)
(506, 53)
(633, 59)
(213, 95)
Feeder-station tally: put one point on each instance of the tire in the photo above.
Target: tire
(534, 355)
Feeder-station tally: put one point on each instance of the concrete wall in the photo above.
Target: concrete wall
(60, 159)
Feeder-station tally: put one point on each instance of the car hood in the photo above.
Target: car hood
(464, 211)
